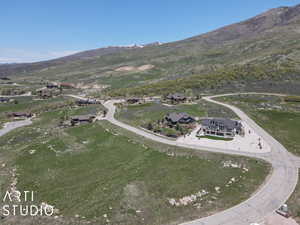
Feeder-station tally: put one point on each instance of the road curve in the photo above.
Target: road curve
(277, 188)
(14, 125)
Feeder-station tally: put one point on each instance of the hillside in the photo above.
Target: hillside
(268, 43)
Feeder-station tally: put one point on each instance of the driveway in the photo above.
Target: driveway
(14, 125)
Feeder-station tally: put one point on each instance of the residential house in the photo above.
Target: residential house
(82, 102)
(20, 114)
(176, 98)
(52, 85)
(180, 117)
(44, 93)
(221, 127)
(4, 100)
(133, 101)
(82, 119)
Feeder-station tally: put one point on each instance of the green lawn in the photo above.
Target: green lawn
(217, 138)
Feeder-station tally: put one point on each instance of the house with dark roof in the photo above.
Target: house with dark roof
(221, 127)
(4, 100)
(4, 78)
(133, 101)
(176, 98)
(44, 93)
(20, 114)
(82, 102)
(82, 119)
(52, 85)
(180, 117)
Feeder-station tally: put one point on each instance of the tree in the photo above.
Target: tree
(150, 126)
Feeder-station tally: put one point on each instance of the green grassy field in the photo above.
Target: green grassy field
(138, 115)
(97, 169)
(280, 118)
(294, 203)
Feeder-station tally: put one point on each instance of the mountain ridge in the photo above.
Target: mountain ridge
(272, 37)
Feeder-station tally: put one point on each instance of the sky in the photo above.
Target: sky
(35, 30)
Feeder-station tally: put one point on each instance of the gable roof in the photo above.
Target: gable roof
(216, 123)
(176, 117)
(176, 96)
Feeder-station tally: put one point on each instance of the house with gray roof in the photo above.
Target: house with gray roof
(82, 119)
(180, 117)
(221, 127)
(4, 100)
(81, 102)
(176, 98)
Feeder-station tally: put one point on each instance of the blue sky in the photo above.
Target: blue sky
(35, 30)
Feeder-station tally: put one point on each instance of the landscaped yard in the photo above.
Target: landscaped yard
(98, 172)
(151, 114)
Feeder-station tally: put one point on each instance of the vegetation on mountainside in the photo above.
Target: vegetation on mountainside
(226, 76)
(261, 48)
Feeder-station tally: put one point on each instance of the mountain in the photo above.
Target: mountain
(266, 44)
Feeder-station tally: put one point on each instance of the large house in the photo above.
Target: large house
(221, 127)
(181, 117)
(176, 98)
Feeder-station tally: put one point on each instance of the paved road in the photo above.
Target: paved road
(14, 125)
(276, 190)
(15, 96)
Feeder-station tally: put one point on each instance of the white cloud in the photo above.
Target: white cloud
(20, 55)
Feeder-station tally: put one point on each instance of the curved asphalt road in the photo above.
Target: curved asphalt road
(14, 125)
(276, 190)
